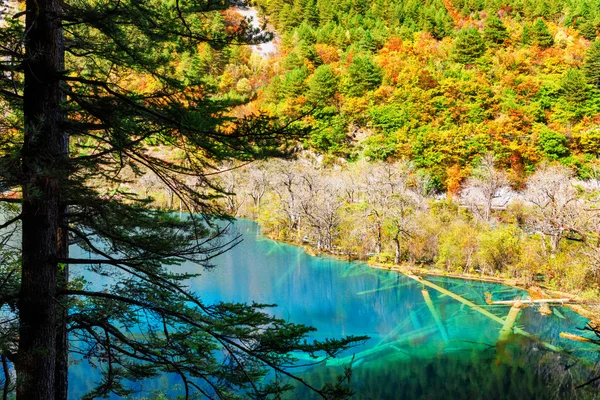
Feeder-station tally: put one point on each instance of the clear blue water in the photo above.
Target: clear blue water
(408, 356)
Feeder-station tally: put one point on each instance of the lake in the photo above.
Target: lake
(424, 344)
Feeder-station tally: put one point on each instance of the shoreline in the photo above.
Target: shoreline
(589, 309)
(586, 308)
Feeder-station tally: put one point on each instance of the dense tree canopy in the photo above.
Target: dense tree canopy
(95, 95)
(442, 83)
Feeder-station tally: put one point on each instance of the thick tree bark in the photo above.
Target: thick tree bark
(61, 377)
(43, 167)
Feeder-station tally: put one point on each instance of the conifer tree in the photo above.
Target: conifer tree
(363, 75)
(540, 35)
(80, 130)
(588, 30)
(495, 31)
(574, 87)
(592, 64)
(469, 46)
(323, 85)
(367, 43)
(326, 11)
(311, 13)
(526, 34)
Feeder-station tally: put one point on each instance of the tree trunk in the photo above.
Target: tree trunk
(397, 247)
(43, 163)
(61, 375)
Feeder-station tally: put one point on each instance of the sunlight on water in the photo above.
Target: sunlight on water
(441, 350)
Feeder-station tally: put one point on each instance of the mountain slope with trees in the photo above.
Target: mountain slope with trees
(95, 95)
(441, 83)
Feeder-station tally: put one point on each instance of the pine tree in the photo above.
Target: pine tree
(526, 35)
(574, 87)
(363, 75)
(468, 46)
(323, 85)
(588, 30)
(311, 13)
(81, 132)
(495, 31)
(326, 11)
(540, 35)
(367, 43)
(592, 64)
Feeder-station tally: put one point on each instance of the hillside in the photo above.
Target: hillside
(439, 83)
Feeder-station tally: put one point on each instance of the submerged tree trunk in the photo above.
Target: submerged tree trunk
(43, 164)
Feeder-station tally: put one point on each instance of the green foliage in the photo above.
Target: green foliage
(294, 82)
(592, 64)
(590, 142)
(540, 35)
(469, 46)
(588, 30)
(552, 144)
(363, 75)
(323, 85)
(146, 94)
(499, 248)
(526, 38)
(417, 85)
(457, 247)
(329, 133)
(574, 87)
(494, 31)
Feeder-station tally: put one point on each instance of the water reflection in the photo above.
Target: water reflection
(444, 349)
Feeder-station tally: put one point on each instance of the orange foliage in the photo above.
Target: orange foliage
(232, 20)
(328, 54)
(454, 177)
(393, 44)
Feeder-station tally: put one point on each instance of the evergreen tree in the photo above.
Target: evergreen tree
(293, 61)
(84, 133)
(363, 75)
(592, 64)
(526, 35)
(296, 16)
(495, 31)
(326, 11)
(588, 30)
(311, 14)
(294, 82)
(367, 43)
(574, 87)
(323, 85)
(468, 46)
(540, 35)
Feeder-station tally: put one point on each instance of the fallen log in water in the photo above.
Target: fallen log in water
(509, 323)
(480, 310)
(435, 314)
(413, 335)
(570, 336)
(530, 301)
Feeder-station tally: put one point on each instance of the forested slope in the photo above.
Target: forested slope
(441, 82)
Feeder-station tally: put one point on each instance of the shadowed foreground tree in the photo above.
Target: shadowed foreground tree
(93, 95)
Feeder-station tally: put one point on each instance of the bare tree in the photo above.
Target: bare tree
(485, 185)
(286, 179)
(320, 205)
(382, 181)
(558, 211)
(257, 184)
(400, 221)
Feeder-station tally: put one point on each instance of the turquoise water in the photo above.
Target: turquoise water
(410, 355)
